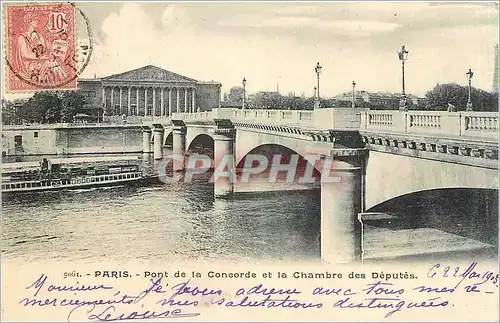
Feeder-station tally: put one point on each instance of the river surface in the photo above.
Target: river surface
(181, 221)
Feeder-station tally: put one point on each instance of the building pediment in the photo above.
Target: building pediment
(149, 73)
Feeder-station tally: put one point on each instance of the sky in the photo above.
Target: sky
(279, 43)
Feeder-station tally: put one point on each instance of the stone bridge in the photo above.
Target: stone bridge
(378, 155)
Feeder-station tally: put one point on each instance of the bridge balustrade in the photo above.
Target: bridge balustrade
(467, 124)
(432, 122)
(480, 121)
(197, 116)
(275, 117)
(203, 116)
(476, 125)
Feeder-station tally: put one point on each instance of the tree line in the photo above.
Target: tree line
(63, 106)
(44, 107)
(442, 95)
(437, 99)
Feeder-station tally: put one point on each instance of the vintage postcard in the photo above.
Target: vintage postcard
(250, 161)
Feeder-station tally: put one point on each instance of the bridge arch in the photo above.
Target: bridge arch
(246, 141)
(389, 176)
(202, 144)
(169, 139)
(467, 212)
(193, 132)
(299, 174)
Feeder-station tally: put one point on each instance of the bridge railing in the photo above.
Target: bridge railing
(275, 117)
(480, 125)
(474, 125)
(197, 116)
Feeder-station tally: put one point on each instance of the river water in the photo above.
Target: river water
(176, 221)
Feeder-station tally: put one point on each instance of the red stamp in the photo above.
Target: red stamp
(41, 47)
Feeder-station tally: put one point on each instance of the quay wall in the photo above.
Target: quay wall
(29, 142)
(66, 139)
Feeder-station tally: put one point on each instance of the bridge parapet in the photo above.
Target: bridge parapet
(467, 125)
(474, 125)
(481, 122)
(322, 119)
(204, 116)
(197, 116)
(276, 117)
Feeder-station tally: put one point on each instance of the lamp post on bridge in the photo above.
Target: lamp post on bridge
(317, 69)
(353, 94)
(469, 101)
(244, 82)
(315, 98)
(403, 56)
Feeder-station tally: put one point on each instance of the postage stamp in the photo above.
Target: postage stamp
(41, 47)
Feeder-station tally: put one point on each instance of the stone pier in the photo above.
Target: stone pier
(178, 144)
(146, 139)
(342, 199)
(224, 159)
(158, 141)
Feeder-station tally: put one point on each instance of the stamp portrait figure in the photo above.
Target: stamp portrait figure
(41, 45)
(35, 61)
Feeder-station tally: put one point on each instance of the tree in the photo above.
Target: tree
(10, 111)
(265, 100)
(71, 104)
(307, 104)
(443, 94)
(235, 95)
(344, 104)
(42, 107)
(484, 101)
(452, 93)
(289, 102)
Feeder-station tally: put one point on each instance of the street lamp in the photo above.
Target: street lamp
(244, 82)
(469, 101)
(318, 72)
(353, 94)
(403, 56)
(315, 98)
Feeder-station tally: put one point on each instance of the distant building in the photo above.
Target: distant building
(416, 100)
(149, 91)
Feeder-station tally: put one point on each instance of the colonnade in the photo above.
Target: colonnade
(129, 100)
(341, 200)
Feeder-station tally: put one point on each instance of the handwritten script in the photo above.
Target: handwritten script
(158, 299)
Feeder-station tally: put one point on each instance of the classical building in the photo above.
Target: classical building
(149, 91)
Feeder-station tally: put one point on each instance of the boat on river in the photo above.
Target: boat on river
(70, 173)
